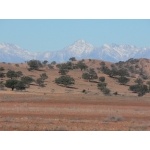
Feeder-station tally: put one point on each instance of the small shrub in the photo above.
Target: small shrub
(17, 65)
(102, 79)
(106, 91)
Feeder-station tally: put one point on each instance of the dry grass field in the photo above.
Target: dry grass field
(57, 108)
(63, 112)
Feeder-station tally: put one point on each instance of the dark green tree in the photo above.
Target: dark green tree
(20, 85)
(102, 79)
(43, 76)
(2, 69)
(11, 83)
(82, 65)
(101, 85)
(27, 80)
(34, 64)
(53, 63)
(86, 76)
(44, 62)
(11, 74)
(40, 82)
(123, 80)
(65, 80)
(141, 89)
(2, 75)
(72, 59)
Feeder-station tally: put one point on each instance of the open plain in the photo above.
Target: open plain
(63, 112)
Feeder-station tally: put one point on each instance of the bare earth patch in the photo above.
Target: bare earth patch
(63, 112)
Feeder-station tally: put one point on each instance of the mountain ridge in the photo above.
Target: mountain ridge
(79, 49)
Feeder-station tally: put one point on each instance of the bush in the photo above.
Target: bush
(27, 80)
(17, 65)
(102, 79)
(65, 80)
(11, 74)
(139, 81)
(101, 85)
(40, 82)
(20, 85)
(63, 71)
(2, 69)
(2, 86)
(43, 76)
(106, 91)
(45, 62)
(72, 59)
(123, 80)
(90, 75)
(2, 75)
(53, 63)
(11, 83)
(34, 64)
(141, 89)
(82, 65)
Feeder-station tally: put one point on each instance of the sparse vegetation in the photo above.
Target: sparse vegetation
(34, 64)
(72, 59)
(40, 82)
(123, 80)
(27, 80)
(11, 74)
(2, 86)
(65, 80)
(82, 65)
(102, 79)
(90, 75)
(11, 83)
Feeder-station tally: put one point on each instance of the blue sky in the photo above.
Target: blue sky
(50, 35)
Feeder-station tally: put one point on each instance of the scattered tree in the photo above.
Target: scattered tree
(43, 76)
(141, 89)
(90, 75)
(44, 62)
(2, 85)
(101, 85)
(65, 80)
(53, 63)
(11, 83)
(102, 79)
(20, 85)
(2, 75)
(34, 64)
(2, 69)
(72, 59)
(40, 82)
(123, 80)
(27, 80)
(11, 74)
(82, 65)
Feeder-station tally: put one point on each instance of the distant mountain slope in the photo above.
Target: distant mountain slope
(80, 49)
(13, 53)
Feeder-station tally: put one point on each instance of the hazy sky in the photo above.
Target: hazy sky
(50, 35)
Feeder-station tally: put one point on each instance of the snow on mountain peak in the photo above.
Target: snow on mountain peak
(80, 47)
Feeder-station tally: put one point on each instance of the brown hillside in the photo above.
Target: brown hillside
(81, 84)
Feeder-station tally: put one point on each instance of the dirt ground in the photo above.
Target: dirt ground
(72, 112)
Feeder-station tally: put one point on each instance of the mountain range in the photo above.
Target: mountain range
(79, 49)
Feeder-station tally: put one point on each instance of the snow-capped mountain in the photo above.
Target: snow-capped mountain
(80, 49)
(13, 53)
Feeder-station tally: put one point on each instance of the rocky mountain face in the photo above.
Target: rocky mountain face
(80, 49)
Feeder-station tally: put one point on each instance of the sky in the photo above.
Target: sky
(55, 34)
